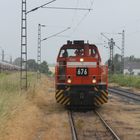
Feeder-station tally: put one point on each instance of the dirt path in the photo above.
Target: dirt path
(123, 116)
(90, 127)
(41, 118)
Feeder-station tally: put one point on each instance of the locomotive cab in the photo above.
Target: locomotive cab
(80, 78)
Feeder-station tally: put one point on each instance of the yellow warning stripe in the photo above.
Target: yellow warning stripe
(104, 98)
(61, 96)
(63, 100)
(68, 89)
(98, 100)
(101, 100)
(59, 93)
(66, 101)
(98, 103)
(103, 94)
(60, 100)
(95, 89)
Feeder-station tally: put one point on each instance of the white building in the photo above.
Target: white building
(132, 68)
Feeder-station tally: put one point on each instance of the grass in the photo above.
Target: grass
(125, 80)
(10, 94)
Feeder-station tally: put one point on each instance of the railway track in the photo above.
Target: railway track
(114, 135)
(74, 132)
(125, 93)
(72, 125)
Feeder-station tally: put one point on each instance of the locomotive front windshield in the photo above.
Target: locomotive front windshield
(74, 52)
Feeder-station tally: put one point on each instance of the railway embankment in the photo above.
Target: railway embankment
(34, 114)
(11, 98)
(125, 82)
(123, 115)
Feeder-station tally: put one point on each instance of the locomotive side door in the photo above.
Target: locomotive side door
(62, 71)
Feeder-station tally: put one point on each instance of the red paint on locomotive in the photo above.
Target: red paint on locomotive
(80, 77)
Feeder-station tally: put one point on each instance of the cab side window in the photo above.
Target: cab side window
(63, 53)
(93, 53)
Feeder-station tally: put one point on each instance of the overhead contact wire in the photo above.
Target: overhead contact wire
(75, 12)
(85, 15)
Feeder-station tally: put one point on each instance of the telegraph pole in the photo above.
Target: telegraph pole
(2, 55)
(122, 50)
(111, 44)
(11, 60)
(39, 51)
(122, 54)
(23, 71)
(24, 12)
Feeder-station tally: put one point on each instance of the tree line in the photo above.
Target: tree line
(117, 62)
(33, 66)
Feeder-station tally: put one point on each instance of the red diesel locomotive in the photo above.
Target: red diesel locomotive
(80, 78)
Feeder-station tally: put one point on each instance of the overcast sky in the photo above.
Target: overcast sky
(107, 16)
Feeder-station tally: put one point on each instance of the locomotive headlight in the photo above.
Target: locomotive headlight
(94, 80)
(69, 80)
(81, 59)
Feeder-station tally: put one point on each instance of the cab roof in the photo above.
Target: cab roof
(77, 44)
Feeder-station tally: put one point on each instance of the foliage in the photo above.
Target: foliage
(132, 59)
(44, 67)
(125, 80)
(10, 94)
(17, 61)
(116, 62)
(32, 65)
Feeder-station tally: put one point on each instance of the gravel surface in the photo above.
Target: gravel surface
(123, 116)
(90, 127)
(41, 118)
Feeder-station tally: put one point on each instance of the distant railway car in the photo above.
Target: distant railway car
(80, 79)
(4, 66)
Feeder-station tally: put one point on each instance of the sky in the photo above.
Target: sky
(108, 16)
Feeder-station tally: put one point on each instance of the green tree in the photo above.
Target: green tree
(44, 67)
(17, 61)
(117, 63)
(32, 65)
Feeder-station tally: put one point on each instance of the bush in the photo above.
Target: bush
(125, 80)
(10, 93)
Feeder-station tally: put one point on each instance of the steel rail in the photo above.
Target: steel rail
(123, 93)
(107, 126)
(72, 125)
(123, 90)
